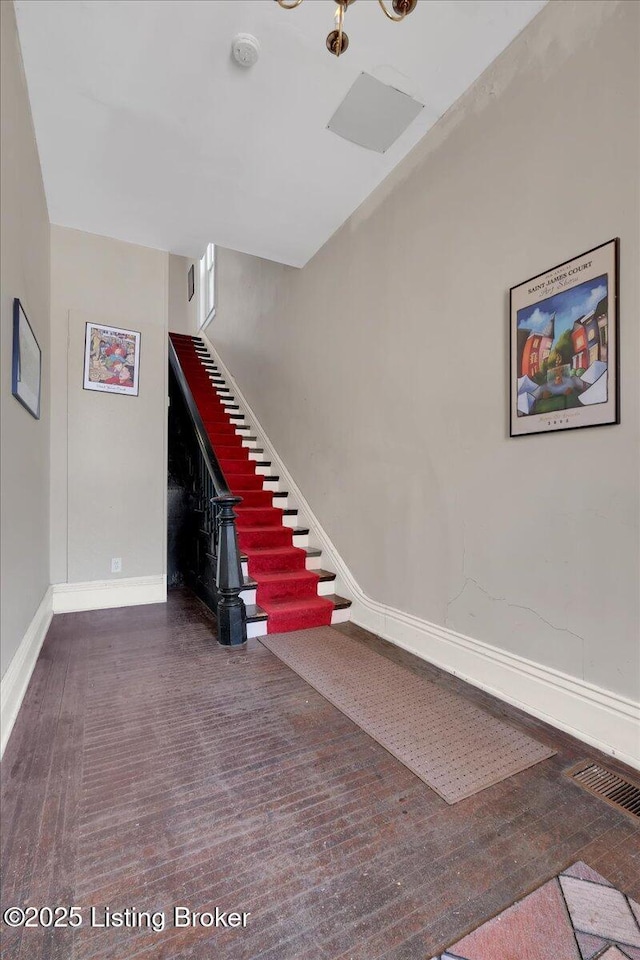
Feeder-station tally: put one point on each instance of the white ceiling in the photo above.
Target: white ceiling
(149, 132)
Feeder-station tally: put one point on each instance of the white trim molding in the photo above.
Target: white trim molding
(16, 678)
(103, 594)
(598, 717)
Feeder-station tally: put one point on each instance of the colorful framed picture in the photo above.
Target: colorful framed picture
(111, 359)
(564, 346)
(26, 366)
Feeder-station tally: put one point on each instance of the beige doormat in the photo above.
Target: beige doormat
(454, 746)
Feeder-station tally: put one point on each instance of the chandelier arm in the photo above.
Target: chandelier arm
(338, 40)
(392, 16)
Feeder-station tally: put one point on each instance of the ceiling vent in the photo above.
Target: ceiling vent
(373, 114)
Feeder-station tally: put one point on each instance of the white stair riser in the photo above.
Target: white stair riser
(326, 587)
(300, 540)
(340, 616)
(257, 629)
(313, 563)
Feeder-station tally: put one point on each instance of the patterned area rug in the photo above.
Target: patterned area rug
(457, 748)
(576, 916)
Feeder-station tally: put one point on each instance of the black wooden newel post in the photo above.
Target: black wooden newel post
(232, 623)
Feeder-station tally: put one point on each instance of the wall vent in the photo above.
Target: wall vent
(616, 790)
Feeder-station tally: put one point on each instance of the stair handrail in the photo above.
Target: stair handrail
(229, 580)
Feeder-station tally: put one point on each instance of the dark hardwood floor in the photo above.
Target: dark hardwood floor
(150, 768)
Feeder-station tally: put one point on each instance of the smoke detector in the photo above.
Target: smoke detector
(245, 49)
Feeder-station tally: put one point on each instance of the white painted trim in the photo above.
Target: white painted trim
(603, 719)
(103, 594)
(340, 615)
(16, 679)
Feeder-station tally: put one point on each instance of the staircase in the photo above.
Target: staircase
(285, 587)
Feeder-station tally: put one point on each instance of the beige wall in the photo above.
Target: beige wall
(108, 451)
(183, 313)
(24, 273)
(379, 370)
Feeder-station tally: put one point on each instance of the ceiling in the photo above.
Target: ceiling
(149, 132)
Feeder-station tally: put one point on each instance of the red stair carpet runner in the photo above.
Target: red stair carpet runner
(287, 591)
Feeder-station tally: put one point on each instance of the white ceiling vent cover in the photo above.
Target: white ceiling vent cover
(374, 114)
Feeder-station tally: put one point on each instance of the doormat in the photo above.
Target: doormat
(576, 916)
(456, 747)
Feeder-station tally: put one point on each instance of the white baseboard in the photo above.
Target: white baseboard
(103, 594)
(598, 717)
(16, 679)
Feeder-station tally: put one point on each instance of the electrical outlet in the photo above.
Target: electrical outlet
(116, 564)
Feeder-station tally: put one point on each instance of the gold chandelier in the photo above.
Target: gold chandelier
(338, 41)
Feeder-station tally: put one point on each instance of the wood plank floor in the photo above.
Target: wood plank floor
(150, 768)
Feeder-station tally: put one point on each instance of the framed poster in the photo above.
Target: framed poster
(564, 348)
(191, 283)
(111, 359)
(26, 366)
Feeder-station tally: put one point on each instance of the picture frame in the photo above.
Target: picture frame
(191, 282)
(564, 345)
(26, 364)
(111, 359)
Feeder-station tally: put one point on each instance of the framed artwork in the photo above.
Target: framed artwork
(26, 367)
(111, 359)
(564, 345)
(191, 282)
